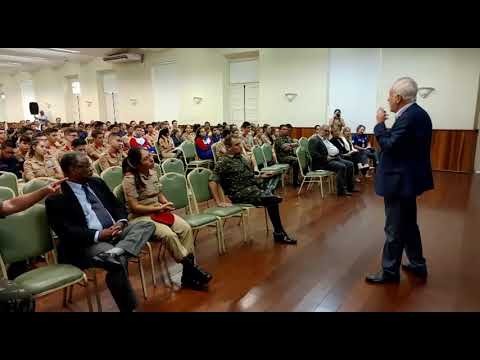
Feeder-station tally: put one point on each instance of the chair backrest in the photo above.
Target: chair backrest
(214, 152)
(188, 151)
(173, 166)
(119, 194)
(198, 182)
(25, 235)
(174, 187)
(9, 180)
(96, 167)
(112, 176)
(267, 152)
(303, 142)
(302, 159)
(259, 158)
(36, 184)
(6, 193)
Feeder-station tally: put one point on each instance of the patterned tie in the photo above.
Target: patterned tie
(102, 213)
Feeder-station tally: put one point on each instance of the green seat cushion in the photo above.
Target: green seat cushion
(317, 173)
(198, 162)
(199, 220)
(246, 206)
(49, 277)
(281, 166)
(222, 212)
(271, 168)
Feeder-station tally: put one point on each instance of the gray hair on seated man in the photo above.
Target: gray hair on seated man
(406, 87)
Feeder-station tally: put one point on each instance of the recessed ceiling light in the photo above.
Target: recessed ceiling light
(65, 50)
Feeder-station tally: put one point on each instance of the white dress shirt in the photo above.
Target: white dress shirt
(332, 149)
(92, 220)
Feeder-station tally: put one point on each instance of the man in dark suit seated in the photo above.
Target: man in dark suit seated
(8, 161)
(404, 172)
(325, 156)
(93, 229)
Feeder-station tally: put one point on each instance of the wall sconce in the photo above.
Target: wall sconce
(133, 101)
(89, 102)
(2, 96)
(291, 96)
(197, 99)
(424, 92)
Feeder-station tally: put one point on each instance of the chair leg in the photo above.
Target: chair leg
(244, 228)
(70, 296)
(97, 295)
(321, 187)
(142, 277)
(65, 292)
(87, 294)
(152, 265)
(301, 186)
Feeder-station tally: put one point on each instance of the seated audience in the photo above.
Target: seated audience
(242, 186)
(267, 135)
(82, 134)
(346, 153)
(52, 145)
(70, 134)
(146, 203)
(247, 139)
(258, 136)
(40, 163)
(22, 150)
(80, 145)
(216, 134)
(176, 138)
(337, 122)
(97, 148)
(363, 165)
(203, 144)
(188, 134)
(151, 136)
(8, 161)
(325, 156)
(361, 143)
(93, 229)
(114, 155)
(220, 148)
(166, 145)
(285, 150)
(138, 140)
(316, 131)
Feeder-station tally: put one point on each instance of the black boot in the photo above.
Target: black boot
(202, 274)
(191, 277)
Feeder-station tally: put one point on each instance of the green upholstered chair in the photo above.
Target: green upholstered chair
(36, 184)
(6, 193)
(173, 166)
(120, 195)
(310, 177)
(158, 170)
(27, 235)
(190, 156)
(198, 183)
(174, 187)
(9, 180)
(112, 176)
(303, 141)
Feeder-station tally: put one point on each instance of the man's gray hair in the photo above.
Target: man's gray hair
(406, 87)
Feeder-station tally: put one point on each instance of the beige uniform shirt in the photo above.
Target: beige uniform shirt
(63, 151)
(151, 139)
(49, 167)
(95, 152)
(147, 195)
(107, 160)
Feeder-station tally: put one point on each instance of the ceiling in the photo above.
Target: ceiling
(13, 60)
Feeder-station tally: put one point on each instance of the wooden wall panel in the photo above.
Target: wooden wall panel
(452, 150)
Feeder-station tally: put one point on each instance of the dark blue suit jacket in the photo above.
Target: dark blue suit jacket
(404, 168)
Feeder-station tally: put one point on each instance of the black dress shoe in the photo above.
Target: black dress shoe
(188, 282)
(421, 273)
(195, 271)
(381, 278)
(284, 239)
(106, 261)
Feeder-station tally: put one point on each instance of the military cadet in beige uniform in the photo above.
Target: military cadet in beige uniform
(40, 163)
(115, 155)
(144, 198)
(70, 134)
(97, 148)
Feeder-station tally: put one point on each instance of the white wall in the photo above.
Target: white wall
(302, 71)
(454, 73)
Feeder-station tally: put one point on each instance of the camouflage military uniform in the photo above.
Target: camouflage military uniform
(95, 152)
(49, 167)
(286, 155)
(238, 180)
(107, 160)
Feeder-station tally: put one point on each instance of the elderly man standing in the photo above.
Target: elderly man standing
(404, 172)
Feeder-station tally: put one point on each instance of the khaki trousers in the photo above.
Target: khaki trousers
(178, 237)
